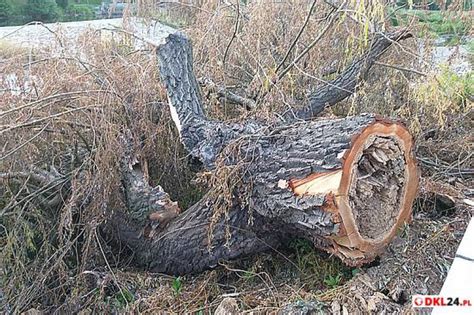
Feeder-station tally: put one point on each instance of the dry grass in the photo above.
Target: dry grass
(68, 110)
(66, 114)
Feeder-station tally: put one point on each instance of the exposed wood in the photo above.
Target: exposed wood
(353, 237)
(143, 201)
(274, 211)
(314, 184)
(305, 180)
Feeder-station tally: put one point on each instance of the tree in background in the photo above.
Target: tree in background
(42, 10)
(78, 12)
(5, 12)
(62, 3)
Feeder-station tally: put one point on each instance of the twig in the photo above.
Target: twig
(302, 54)
(400, 68)
(47, 98)
(24, 143)
(108, 266)
(323, 81)
(310, 46)
(236, 28)
(446, 168)
(36, 121)
(293, 44)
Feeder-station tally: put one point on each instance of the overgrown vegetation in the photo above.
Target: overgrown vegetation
(436, 23)
(25, 11)
(64, 113)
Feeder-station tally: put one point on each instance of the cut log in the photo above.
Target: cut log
(347, 185)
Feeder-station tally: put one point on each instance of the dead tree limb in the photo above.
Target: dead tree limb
(347, 184)
(347, 82)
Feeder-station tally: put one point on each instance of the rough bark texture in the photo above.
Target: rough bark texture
(143, 201)
(270, 161)
(346, 83)
(203, 138)
(271, 182)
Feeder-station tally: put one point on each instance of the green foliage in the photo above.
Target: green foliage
(5, 12)
(317, 267)
(438, 97)
(12, 12)
(333, 281)
(79, 12)
(432, 5)
(62, 3)
(24, 11)
(459, 88)
(250, 274)
(436, 22)
(177, 286)
(123, 298)
(42, 10)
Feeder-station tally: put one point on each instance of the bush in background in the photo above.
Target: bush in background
(5, 12)
(79, 12)
(42, 10)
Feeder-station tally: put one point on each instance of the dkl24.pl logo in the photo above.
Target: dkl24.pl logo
(437, 301)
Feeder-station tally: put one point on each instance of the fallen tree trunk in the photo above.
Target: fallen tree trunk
(347, 185)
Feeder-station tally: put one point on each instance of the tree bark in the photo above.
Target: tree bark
(347, 82)
(303, 180)
(347, 184)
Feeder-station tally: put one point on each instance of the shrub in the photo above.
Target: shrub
(5, 12)
(42, 10)
(79, 12)
(63, 3)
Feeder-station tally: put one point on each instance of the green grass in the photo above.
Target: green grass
(317, 268)
(460, 88)
(437, 23)
(177, 286)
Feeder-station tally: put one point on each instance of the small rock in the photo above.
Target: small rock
(336, 308)
(228, 306)
(302, 308)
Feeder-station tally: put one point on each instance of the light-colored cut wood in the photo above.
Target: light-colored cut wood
(317, 184)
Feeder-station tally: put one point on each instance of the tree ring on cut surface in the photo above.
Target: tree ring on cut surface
(378, 186)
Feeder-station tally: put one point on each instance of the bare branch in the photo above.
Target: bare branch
(293, 44)
(228, 95)
(400, 68)
(346, 83)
